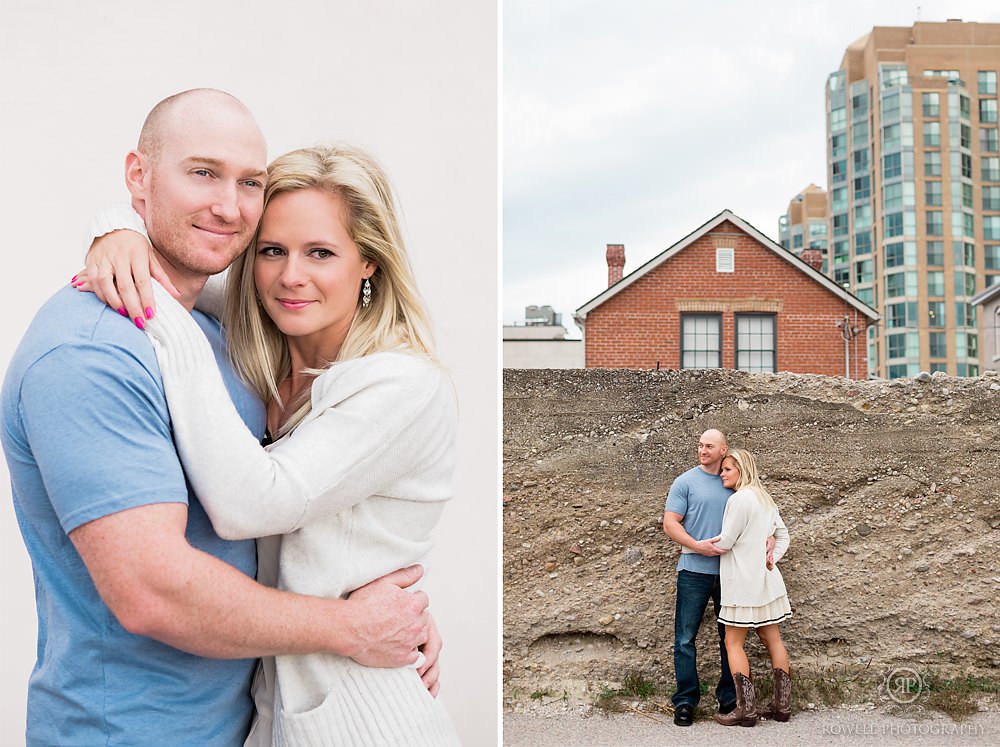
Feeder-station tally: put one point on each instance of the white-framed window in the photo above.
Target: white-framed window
(701, 341)
(756, 342)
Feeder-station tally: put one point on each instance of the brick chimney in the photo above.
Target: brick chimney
(616, 263)
(813, 258)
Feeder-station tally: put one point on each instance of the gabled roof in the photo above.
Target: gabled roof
(767, 243)
(987, 295)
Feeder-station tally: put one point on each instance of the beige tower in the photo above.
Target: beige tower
(805, 224)
(913, 163)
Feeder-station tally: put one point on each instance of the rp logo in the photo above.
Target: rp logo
(902, 685)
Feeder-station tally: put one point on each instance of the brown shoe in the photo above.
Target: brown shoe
(745, 713)
(780, 707)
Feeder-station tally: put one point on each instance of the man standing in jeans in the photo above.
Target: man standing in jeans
(692, 517)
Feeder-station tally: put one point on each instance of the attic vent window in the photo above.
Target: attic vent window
(725, 259)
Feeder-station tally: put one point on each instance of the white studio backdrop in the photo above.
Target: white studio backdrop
(413, 82)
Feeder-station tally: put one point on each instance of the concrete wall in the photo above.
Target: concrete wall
(889, 489)
(543, 353)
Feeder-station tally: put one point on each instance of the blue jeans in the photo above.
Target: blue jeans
(693, 592)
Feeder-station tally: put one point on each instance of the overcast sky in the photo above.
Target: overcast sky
(634, 122)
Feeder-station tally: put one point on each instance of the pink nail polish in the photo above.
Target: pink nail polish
(139, 323)
(123, 312)
(72, 280)
(149, 313)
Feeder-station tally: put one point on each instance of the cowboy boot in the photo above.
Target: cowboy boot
(745, 713)
(780, 707)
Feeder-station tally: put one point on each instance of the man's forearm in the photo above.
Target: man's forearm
(675, 531)
(214, 610)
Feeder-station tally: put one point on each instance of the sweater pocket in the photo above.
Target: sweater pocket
(368, 706)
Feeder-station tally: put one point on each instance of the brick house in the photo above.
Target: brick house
(726, 296)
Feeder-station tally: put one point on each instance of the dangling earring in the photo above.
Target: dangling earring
(366, 294)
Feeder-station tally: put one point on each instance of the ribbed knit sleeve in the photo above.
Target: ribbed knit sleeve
(734, 520)
(781, 537)
(371, 421)
(114, 218)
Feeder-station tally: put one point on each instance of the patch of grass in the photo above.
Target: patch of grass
(540, 695)
(634, 685)
(958, 697)
(608, 701)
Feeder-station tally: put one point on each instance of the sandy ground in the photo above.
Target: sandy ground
(843, 726)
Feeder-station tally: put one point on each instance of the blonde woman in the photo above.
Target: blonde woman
(753, 592)
(325, 323)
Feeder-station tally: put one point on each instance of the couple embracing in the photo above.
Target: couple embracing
(152, 440)
(731, 536)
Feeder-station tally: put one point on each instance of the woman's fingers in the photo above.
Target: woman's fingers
(118, 268)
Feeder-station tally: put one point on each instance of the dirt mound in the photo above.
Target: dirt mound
(891, 492)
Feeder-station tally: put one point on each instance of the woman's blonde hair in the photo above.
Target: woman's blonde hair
(394, 320)
(749, 477)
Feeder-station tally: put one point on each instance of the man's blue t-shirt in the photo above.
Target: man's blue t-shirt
(700, 499)
(86, 432)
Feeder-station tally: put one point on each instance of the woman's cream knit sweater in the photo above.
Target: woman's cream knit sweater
(354, 490)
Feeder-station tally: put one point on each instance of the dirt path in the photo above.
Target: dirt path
(842, 726)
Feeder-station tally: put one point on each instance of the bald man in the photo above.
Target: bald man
(692, 517)
(149, 624)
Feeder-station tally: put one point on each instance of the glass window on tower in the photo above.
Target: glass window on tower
(938, 344)
(859, 105)
(838, 119)
(966, 195)
(894, 225)
(965, 136)
(991, 253)
(964, 109)
(935, 314)
(859, 133)
(931, 105)
(987, 80)
(861, 160)
(965, 283)
(935, 223)
(932, 163)
(935, 283)
(894, 254)
(863, 216)
(988, 141)
(890, 107)
(838, 145)
(838, 199)
(988, 111)
(990, 168)
(935, 253)
(892, 165)
(838, 171)
(863, 271)
(933, 194)
(863, 187)
(892, 196)
(932, 134)
(863, 242)
(991, 227)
